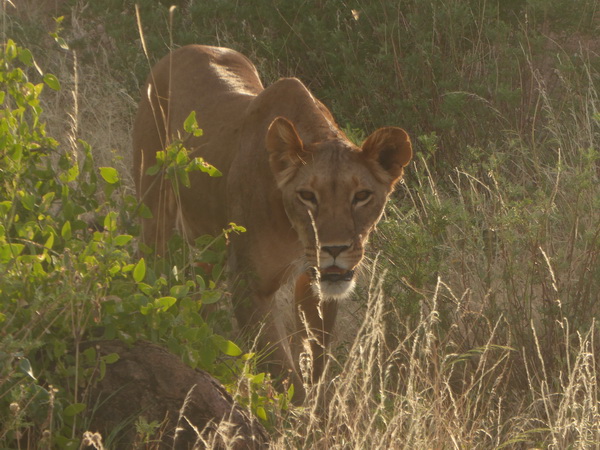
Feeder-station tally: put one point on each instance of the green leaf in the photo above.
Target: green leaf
(153, 170)
(70, 174)
(52, 81)
(110, 221)
(111, 358)
(211, 296)
(248, 356)
(184, 178)
(74, 409)
(200, 283)
(49, 242)
(61, 43)
(235, 228)
(179, 290)
(27, 200)
(199, 164)
(160, 157)
(26, 57)
(10, 49)
(140, 271)
(226, 346)
(127, 268)
(90, 355)
(258, 378)
(102, 365)
(164, 303)
(190, 125)
(65, 232)
(10, 251)
(207, 355)
(146, 288)
(114, 269)
(38, 270)
(122, 239)
(109, 174)
(5, 207)
(189, 122)
(181, 157)
(145, 212)
(261, 413)
(47, 200)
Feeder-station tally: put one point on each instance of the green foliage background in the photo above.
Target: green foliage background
(70, 274)
(459, 69)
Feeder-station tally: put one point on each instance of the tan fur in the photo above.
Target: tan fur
(308, 197)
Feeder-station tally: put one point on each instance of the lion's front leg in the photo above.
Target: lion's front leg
(315, 319)
(257, 315)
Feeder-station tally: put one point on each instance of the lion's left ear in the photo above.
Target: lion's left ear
(391, 148)
(285, 149)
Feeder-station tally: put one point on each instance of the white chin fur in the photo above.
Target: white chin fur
(336, 290)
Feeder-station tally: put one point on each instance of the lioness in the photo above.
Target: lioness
(308, 197)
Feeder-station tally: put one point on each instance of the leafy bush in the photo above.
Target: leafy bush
(70, 273)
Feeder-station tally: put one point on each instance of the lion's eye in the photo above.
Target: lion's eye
(307, 196)
(362, 196)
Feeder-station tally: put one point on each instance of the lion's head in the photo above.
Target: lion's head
(334, 193)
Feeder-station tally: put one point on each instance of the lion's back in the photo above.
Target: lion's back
(216, 83)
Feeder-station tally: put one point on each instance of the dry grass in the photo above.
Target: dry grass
(417, 395)
(92, 105)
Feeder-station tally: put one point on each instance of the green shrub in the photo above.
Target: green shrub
(69, 274)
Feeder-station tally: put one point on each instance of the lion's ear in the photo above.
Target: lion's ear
(391, 148)
(285, 149)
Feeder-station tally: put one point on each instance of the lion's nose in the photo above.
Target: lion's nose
(335, 250)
